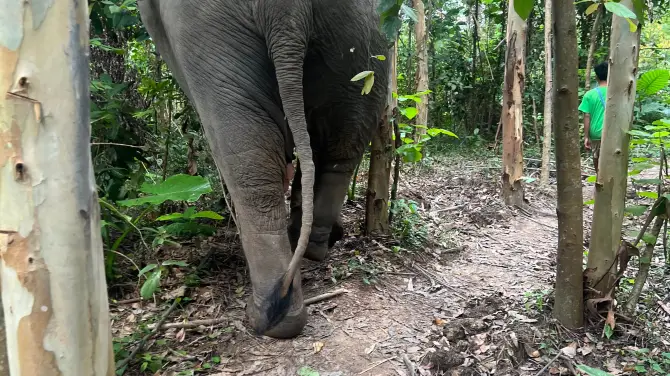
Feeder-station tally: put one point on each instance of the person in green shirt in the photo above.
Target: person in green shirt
(593, 106)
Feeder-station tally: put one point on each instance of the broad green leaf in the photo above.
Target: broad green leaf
(207, 214)
(409, 12)
(592, 8)
(651, 82)
(435, 131)
(653, 195)
(379, 57)
(183, 264)
(362, 75)
(424, 92)
(662, 122)
(409, 112)
(407, 140)
(592, 371)
(620, 10)
(647, 181)
(632, 26)
(151, 284)
(592, 179)
(369, 81)
(307, 371)
(639, 133)
(179, 187)
(523, 8)
(589, 202)
(146, 269)
(635, 210)
(170, 217)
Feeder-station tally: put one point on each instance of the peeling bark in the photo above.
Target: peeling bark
(548, 92)
(568, 308)
(610, 192)
(421, 68)
(54, 293)
(512, 117)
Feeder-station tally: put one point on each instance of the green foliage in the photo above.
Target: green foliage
(408, 226)
(180, 187)
(153, 279)
(523, 8)
(651, 82)
(592, 371)
(307, 371)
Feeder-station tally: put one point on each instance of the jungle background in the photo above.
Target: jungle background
(460, 283)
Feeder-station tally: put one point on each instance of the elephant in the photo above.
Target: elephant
(267, 77)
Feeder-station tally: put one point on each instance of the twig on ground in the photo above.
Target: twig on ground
(560, 352)
(147, 337)
(409, 365)
(328, 295)
(376, 365)
(127, 301)
(189, 324)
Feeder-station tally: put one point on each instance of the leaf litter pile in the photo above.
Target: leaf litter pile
(463, 287)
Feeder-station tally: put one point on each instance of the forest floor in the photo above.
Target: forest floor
(473, 299)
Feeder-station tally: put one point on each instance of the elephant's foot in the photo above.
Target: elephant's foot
(291, 326)
(319, 245)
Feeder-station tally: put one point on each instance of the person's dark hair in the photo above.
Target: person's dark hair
(601, 71)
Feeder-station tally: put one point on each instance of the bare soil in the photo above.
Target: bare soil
(474, 300)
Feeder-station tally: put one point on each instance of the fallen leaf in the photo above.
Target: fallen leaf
(181, 334)
(571, 350)
(317, 346)
(370, 349)
(554, 371)
(534, 354)
(439, 322)
(586, 349)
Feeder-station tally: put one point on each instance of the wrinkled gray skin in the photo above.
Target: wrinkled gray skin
(251, 67)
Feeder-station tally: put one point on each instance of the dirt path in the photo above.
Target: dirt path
(483, 259)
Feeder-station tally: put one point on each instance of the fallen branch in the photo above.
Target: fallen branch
(328, 295)
(560, 352)
(376, 365)
(664, 307)
(409, 365)
(147, 337)
(189, 324)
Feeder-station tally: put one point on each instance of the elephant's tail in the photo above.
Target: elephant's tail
(287, 24)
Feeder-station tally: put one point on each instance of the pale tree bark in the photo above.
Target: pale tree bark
(381, 156)
(512, 116)
(548, 92)
(645, 265)
(568, 308)
(611, 183)
(595, 29)
(421, 68)
(54, 292)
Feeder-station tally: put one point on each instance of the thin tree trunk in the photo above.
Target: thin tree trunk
(610, 192)
(381, 156)
(537, 133)
(54, 293)
(595, 29)
(421, 68)
(568, 308)
(645, 264)
(512, 116)
(548, 92)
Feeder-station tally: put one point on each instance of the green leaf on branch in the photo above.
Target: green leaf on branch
(639, 133)
(151, 284)
(409, 12)
(651, 82)
(409, 112)
(620, 10)
(592, 179)
(436, 131)
(147, 268)
(207, 214)
(367, 87)
(179, 187)
(652, 195)
(379, 57)
(592, 8)
(635, 210)
(362, 75)
(523, 8)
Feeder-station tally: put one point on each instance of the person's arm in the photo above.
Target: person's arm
(587, 129)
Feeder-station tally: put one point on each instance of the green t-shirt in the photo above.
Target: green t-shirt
(593, 105)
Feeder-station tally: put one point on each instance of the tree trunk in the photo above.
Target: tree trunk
(568, 308)
(645, 265)
(610, 192)
(592, 47)
(421, 69)
(381, 156)
(54, 293)
(512, 115)
(548, 92)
